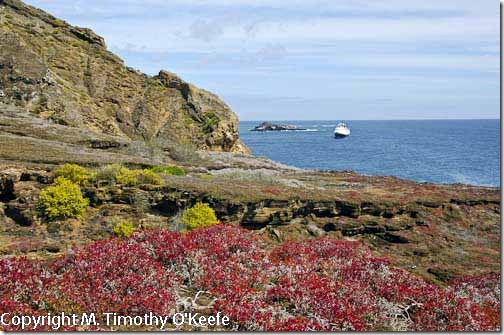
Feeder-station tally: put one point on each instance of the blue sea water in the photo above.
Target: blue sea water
(438, 151)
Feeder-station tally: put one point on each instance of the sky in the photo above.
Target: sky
(312, 59)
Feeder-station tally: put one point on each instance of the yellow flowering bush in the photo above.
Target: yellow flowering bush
(124, 228)
(122, 175)
(75, 173)
(63, 200)
(126, 176)
(149, 177)
(200, 215)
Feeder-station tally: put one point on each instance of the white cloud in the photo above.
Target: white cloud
(228, 24)
(353, 50)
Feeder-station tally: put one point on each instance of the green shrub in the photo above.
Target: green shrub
(58, 23)
(171, 170)
(188, 121)
(123, 228)
(149, 177)
(127, 177)
(210, 122)
(63, 200)
(200, 215)
(116, 173)
(75, 173)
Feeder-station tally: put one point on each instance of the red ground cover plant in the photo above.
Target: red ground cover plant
(321, 284)
(111, 275)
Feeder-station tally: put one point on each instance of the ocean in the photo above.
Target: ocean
(437, 151)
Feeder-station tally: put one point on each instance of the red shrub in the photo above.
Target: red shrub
(23, 279)
(321, 284)
(113, 275)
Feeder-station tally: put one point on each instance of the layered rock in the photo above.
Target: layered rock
(66, 74)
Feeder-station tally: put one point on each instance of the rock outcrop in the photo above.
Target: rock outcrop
(65, 73)
(268, 126)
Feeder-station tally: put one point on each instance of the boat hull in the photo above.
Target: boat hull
(339, 135)
(341, 132)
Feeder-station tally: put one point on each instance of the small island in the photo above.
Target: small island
(268, 126)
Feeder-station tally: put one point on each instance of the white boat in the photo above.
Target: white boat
(341, 130)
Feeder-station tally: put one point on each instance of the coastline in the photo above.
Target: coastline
(435, 151)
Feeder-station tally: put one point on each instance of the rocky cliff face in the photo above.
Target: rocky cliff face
(66, 74)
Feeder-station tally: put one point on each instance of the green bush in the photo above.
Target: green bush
(149, 177)
(200, 215)
(123, 228)
(171, 170)
(210, 122)
(126, 176)
(75, 173)
(63, 200)
(116, 173)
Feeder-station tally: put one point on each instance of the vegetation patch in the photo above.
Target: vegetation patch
(126, 176)
(75, 173)
(107, 173)
(122, 175)
(150, 177)
(320, 285)
(200, 215)
(171, 170)
(63, 200)
(123, 228)
(210, 122)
